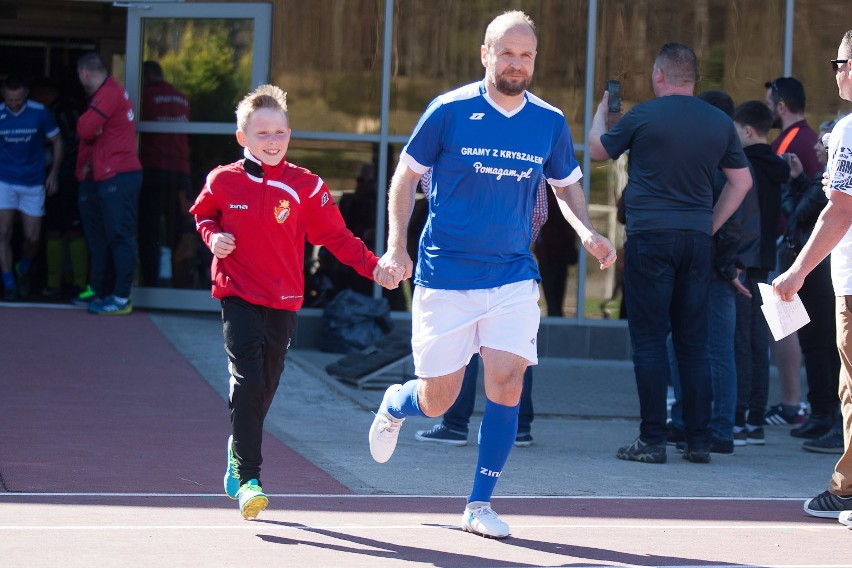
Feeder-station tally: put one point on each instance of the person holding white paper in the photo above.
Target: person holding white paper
(832, 234)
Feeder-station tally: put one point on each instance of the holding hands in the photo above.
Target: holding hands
(394, 267)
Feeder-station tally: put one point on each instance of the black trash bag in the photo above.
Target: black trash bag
(353, 321)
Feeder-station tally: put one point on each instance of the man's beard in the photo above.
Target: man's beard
(509, 88)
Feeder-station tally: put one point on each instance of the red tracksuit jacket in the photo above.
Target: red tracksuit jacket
(109, 127)
(270, 210)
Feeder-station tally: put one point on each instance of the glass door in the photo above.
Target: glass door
(187, 65)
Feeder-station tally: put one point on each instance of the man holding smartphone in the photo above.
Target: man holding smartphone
(676, 144)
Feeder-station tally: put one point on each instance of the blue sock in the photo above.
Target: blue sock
(24, 265)
(405, 402)
(8, 280)
(496, 437)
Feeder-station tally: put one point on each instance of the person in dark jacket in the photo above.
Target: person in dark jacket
(753, 121)
(802, 200)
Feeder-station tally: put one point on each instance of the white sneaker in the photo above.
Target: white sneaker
(385, 429)
(478, 518)
(845, 518)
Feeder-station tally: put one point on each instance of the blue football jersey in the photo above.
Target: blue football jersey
(22, 139)
(487, 166)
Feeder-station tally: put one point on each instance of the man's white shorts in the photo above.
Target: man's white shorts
(449, 326)
(28, 199)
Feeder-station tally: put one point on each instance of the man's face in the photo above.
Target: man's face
(15, 99)
(83, 75)
(773, 104)
(843, 74)
(266, 136)
(510, 62)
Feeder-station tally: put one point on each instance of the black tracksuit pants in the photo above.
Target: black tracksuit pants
(256, 342)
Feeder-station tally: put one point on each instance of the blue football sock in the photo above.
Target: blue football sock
(8, 280)
(24, 265)
(405, 402)
(496, 437)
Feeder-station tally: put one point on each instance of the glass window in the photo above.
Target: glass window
(327, 55)
(208, 59)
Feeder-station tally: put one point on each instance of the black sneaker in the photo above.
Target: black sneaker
(755, 437)
(829, 443)
(827, 505)
(440, 434)
(639, 451)
(697, 454)
(721, 447)
(816, 426)
(523, 440)
(740, 436)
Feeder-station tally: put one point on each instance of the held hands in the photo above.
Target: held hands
(394, 267)
(222, 244)
(600, 247)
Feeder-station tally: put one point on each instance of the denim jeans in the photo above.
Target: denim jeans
(723, 371)
(108, 214)
(751, 348)
(457, 416)
(667, 287)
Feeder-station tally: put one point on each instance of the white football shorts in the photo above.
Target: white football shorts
(28, 199)
(450, 326)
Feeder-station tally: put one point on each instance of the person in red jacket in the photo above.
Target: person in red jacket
(254, 215)
(108, 207)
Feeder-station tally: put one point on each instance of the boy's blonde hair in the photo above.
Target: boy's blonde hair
(265, 96)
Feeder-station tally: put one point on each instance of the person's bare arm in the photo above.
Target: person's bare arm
(400, 205)
(572, 204)
(51, 183)
(596, 150)
(739, 183)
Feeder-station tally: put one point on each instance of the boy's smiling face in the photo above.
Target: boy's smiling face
(266, 136)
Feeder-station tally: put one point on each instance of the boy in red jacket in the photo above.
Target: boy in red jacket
(254, 215)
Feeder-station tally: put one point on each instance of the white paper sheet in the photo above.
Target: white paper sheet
(783, 317)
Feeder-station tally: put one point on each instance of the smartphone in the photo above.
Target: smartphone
(614, 90)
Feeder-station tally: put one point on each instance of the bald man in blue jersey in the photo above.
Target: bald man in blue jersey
(489, 144)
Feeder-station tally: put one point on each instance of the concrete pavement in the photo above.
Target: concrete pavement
(585, 410)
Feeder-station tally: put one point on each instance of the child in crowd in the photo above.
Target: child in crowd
(753, 120)
(254, 215)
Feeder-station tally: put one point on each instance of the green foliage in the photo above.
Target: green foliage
(207, 64)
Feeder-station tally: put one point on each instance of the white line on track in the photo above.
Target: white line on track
(12, 495)
(256, 525)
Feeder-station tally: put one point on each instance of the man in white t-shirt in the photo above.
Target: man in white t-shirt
(489, 144)
(833, 235)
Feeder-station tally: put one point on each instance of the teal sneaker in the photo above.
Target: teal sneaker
(252, 499)
(232, 473)
(111, 307)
